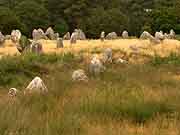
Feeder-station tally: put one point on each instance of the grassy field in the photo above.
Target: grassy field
(127, 99)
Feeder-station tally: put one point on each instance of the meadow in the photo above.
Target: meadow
(138, 98)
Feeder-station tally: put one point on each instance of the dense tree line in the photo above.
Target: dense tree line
(93, 16)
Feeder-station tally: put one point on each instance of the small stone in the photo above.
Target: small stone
(79, 75)
(12, 92)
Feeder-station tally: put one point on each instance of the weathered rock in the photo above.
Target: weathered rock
(145, 35)
(96, 67)
(36, 86)
(2, 39)
(125, 35)
(154, 40)
(107, 56)
(73, 39)
(172, 34)
(12, 92)
(67, 36)
(60, 43)
(15, 36)
(166, 36)
(80, 34)
(159, 36)
(112, 36)
(50, 33)
(102, 36)
(121, 61)
(56, 36)
(79, 75)
(36, 47)
(38, 34)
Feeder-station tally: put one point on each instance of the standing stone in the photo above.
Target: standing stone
(67, 36)
(36, 86)
(166, 36)
(80, 34)
(125, 35)
(12, 92)
(60, 43)
(172, 34)
(15, 36)
(145, 35)
(36, 47)
(107, 56)
(102, 36)
(73, 39)
(159, 36)
(79, 75)
(50, 33)
(2, 39)
(154, 40)
(112, 36)
(38, 34)
(96, 67)
(56, 36)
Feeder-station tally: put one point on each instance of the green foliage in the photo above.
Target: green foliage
(9, 21)
(32, 15)
(15, 70)
(93, 16)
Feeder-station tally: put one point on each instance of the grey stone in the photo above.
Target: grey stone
(159, 36)
(102, 37)
(50, 33)
(107, 56)
(112, 36)
(13, 92)
(67, 36)
(36, 86)
(15, 36)
(2, 39)
(96, 67)
(73, 39)
(125, 35)
(79, 75)
(60, 43)
(36, 47)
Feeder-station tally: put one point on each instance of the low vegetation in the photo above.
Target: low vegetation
(122, 100)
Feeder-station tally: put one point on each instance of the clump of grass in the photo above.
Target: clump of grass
(15, 70)
(118, 104)
(172, 59)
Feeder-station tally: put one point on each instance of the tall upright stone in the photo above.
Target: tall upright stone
(50, 33)
(15, 36)
(67, 36)
(73, 39)
(125, 35)
(36, 47)
(60, 43)
(2, 39)
(102, 36)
